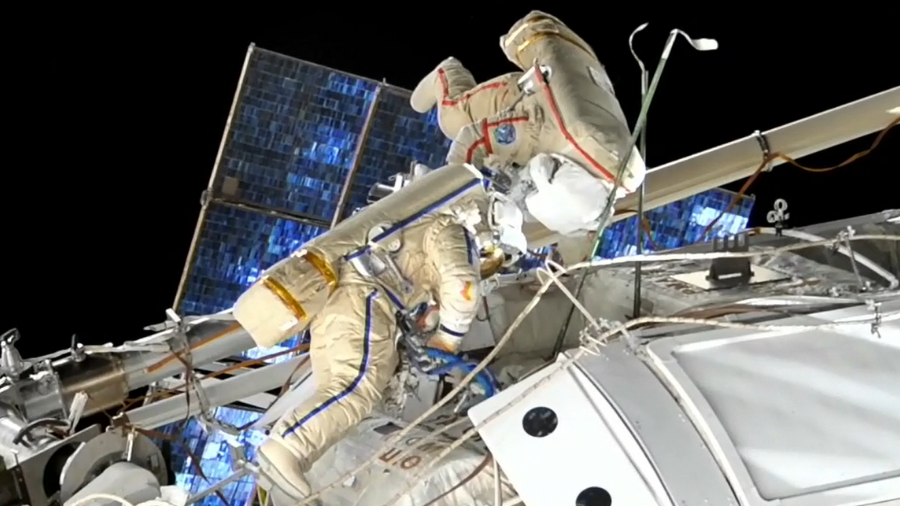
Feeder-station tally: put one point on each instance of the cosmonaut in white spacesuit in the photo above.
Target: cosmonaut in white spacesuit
(562, 103)
(348, 286)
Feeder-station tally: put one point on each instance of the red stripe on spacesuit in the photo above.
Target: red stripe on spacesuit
(539, 76)
(485, 134)
(485, 139)
(445, 90)
(471, 152)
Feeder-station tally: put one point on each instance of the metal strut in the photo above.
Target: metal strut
(642, 149)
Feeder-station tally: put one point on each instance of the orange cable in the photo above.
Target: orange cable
(791, 161)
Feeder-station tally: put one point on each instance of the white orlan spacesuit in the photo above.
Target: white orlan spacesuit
(352, 349)
(423, 234)
(567, 108)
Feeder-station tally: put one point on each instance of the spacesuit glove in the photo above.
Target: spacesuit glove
(445, 339)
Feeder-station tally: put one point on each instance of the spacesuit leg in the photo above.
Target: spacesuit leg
(354, 340)
(460, 99)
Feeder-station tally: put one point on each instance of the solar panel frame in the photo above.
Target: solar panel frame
(279, 152)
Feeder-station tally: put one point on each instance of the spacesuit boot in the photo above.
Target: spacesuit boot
(460, 99)
(280, 473)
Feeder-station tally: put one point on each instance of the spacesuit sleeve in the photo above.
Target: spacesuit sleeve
(454, 256)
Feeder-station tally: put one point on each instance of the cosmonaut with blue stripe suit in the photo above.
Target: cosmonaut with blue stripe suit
(354, 331)
(353, 350)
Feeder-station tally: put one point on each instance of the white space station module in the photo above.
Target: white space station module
(764, 370)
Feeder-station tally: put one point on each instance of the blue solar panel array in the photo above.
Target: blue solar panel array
(235, 246)
(678, 224)
(295, 132)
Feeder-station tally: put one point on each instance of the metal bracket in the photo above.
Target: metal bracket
(765, 148)
(11, 363)
(730, 272)
(875, 307)
(527, 84)
(844, 236)
(725, 273)
(77, 349)
(206, 197)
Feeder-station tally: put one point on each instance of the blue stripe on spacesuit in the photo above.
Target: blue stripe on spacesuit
(452, 332)
(488, 177)
(408, 220)
(470, 248)
(364, 364)
(394, 299)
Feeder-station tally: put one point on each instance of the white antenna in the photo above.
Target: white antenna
(779, 214)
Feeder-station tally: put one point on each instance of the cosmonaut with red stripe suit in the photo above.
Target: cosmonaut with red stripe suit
(559, 113)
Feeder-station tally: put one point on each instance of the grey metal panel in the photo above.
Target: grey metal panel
(682, 460)
(217, 392)
(586, 445)
(796, 418)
